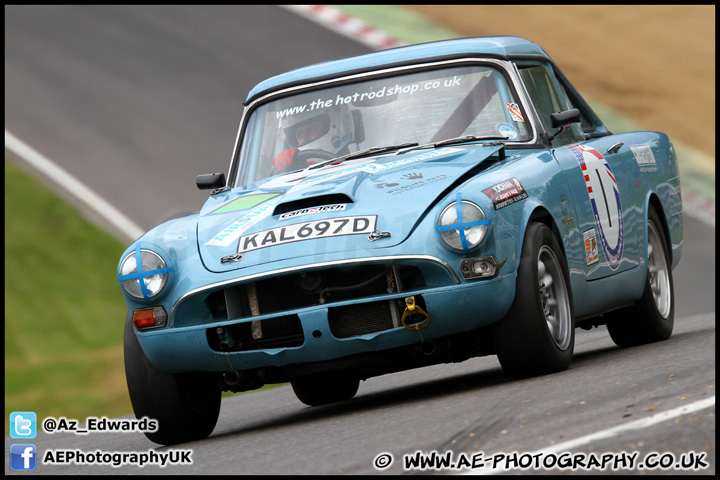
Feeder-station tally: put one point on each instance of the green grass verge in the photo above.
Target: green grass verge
(64, 312)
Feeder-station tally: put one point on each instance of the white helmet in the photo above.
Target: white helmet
(336, 130)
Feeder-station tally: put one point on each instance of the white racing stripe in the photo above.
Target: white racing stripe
(74, 187)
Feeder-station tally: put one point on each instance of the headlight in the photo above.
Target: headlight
(147, 281)
(466, 233)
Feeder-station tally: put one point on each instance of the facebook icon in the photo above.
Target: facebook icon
(23, 456)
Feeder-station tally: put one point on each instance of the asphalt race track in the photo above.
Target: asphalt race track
(135, 101)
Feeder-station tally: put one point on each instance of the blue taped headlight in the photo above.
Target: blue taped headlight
(149, 279)
(463, 225)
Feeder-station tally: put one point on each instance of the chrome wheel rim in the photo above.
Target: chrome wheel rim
(554, 298)
(658, 273)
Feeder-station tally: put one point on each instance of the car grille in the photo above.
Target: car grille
(317, 288)
(278, 332)
(355, 320)
(306, 289)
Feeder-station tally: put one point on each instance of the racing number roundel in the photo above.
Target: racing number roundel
(605, 200)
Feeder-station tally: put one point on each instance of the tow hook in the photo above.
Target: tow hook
(411, 308)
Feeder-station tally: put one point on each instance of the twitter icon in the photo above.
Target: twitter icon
(23, 425)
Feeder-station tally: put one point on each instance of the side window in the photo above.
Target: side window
(588, 125)
(549, 97)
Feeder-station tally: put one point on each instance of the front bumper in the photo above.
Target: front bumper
(451, 309)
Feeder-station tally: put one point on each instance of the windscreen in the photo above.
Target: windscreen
(296, 131)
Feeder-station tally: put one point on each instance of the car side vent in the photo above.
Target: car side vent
(334, 199)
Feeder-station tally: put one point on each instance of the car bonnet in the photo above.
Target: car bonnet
(336, 208)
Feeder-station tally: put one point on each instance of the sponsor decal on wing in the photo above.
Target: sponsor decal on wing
(232, 232)
(506, 193)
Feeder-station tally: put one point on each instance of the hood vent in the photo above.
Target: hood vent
(319, 201)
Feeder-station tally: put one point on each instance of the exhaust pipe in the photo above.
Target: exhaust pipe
(243, 380)
(434, 347)
(427, 347)
(230, 379)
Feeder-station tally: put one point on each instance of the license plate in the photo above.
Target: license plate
(298, 232)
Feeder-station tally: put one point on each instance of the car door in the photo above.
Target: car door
(602, 190)
(606, 202)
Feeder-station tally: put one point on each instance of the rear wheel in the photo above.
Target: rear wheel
(324, 391)
(651, 318)
(537, 336)
(185, 405)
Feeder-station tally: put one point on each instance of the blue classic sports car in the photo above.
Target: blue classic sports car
(414, 206)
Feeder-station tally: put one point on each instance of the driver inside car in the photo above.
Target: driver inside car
(328, 133)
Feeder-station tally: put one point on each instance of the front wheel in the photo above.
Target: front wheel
(537, 336)
(650, 319)
(185, 406)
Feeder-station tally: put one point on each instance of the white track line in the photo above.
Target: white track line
(73, 186)
(612, 432)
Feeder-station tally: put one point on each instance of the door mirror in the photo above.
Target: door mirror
(565, 119)
(211, 180)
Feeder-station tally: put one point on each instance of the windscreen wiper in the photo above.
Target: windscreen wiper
(470, 138)
(364, 153)
(376, 150)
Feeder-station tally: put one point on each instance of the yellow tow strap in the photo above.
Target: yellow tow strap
(412, 308)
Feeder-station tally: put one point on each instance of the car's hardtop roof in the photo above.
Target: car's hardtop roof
(478, 47)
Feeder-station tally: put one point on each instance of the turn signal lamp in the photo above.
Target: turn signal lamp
(149, 318)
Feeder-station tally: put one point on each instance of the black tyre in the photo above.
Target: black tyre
(324, 391)
(185, 405)
(651, 318)
(537, 336)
